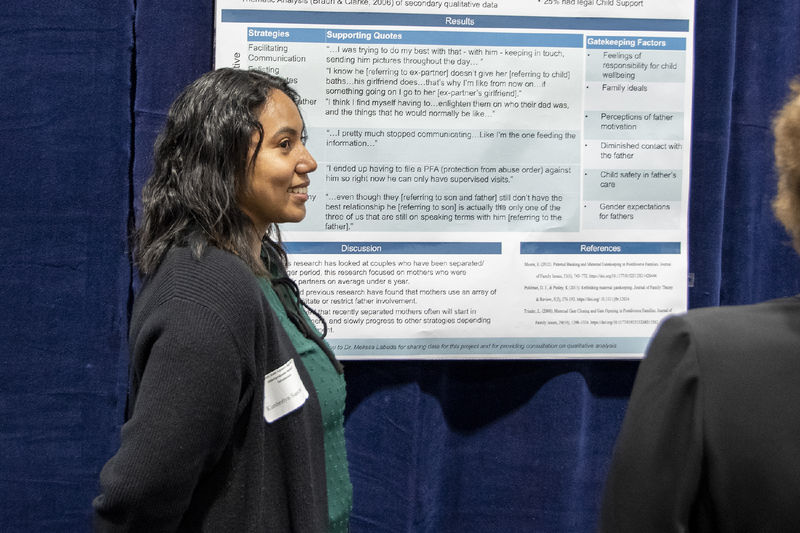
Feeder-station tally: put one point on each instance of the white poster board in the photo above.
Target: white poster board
(501, 179)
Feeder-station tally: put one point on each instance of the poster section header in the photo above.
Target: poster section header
(636, 43)
(450, 21)
(305, 35)
(482, 248)
(637, 248)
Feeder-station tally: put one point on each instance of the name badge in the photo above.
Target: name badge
(283, 392)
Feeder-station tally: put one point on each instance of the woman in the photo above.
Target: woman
(711, 438)
(235, 413)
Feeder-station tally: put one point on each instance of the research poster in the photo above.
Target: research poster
(496, 179)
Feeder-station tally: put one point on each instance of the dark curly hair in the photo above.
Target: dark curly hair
(201, 167)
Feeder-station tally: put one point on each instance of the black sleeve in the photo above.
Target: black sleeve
(656, 466)
(181, 421)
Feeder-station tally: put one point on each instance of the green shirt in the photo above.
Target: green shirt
(330, 389)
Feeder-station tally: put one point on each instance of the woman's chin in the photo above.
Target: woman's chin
(294, 218)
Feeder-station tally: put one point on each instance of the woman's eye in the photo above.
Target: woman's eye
(285, 144)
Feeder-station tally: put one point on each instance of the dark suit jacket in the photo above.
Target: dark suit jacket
(711, 437)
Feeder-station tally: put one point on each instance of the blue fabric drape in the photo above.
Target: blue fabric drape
(65, 127)
(433, 446)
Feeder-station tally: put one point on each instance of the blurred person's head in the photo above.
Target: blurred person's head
(786, 127)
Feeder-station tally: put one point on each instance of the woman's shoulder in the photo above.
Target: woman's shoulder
(214, 278)
(731, 318)
(737, 334)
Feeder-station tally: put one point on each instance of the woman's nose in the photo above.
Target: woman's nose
(307, 163)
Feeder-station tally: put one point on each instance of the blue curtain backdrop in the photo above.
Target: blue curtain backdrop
(433, 447)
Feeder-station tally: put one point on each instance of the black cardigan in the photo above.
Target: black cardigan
(196, 453)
